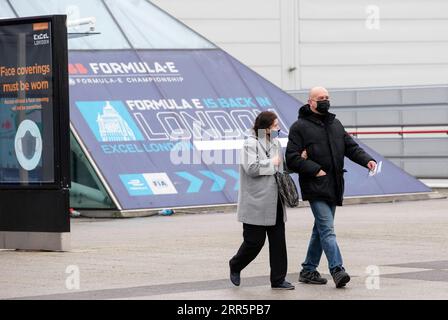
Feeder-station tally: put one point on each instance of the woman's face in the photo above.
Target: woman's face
(275, 125)
(274, 129)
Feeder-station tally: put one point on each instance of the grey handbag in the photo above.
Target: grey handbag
(286, 186)
(287, 189)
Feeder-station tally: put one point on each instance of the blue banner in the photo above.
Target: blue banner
(164, 127)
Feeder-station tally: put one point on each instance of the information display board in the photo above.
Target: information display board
(34, 125)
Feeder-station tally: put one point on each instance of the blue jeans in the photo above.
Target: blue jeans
(323, 238)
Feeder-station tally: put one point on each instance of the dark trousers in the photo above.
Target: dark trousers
(254, 237)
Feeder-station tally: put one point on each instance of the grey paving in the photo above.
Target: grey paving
(424, 265)
(430, 275)
(154, 290)
(185, 256)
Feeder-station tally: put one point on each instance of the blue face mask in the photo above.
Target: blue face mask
(275, 133)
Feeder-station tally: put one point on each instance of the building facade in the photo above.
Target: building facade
(297, 44)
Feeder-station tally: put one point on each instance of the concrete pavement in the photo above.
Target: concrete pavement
(186, 256)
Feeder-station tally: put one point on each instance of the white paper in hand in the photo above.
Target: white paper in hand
(377, 169)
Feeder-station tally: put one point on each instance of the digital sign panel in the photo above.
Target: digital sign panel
(26, 104)
(34, 133)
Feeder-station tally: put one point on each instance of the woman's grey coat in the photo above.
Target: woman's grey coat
(257, 198)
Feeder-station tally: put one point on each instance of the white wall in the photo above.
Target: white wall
(331, 43)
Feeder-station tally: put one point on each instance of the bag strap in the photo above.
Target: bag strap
(285, 166)
(268, 156)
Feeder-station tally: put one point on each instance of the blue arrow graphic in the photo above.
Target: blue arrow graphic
(195, 183)
(219, 182)
(234, 174)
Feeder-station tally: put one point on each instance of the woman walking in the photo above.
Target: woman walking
(260, 207)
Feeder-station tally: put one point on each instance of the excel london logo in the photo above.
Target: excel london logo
(41, 34)
(41, 39)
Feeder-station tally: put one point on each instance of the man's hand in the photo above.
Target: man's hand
(304, 155)
(371, 165)
(321, 173)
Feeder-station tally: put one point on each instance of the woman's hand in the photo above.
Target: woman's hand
(276, 160)
(304, 155)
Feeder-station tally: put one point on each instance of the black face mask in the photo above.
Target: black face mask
(323, 106)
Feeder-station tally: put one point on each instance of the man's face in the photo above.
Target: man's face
(317, 95)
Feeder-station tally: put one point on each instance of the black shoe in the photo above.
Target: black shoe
(285, 285)
(235, 277)
(340, 277)
(312, 277)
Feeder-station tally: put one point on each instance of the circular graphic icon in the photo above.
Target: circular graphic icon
(28, 145)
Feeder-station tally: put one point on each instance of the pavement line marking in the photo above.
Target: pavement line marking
(153, 290)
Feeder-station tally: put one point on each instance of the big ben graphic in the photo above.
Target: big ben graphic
(112, 126)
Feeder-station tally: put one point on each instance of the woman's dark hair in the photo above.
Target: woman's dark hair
(264, 121)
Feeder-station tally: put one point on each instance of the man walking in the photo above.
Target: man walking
(322, 136)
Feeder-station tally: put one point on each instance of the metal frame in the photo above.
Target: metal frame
(95, 168)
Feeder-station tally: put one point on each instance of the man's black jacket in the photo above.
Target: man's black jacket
(326, 143)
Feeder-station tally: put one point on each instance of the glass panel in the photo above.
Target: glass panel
(78, 11)
(5, 10)
(148, 27)
(87, 190)
(26, 104)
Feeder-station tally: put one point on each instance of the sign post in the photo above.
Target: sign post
(34, 134)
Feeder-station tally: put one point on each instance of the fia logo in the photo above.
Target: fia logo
(160, 184)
